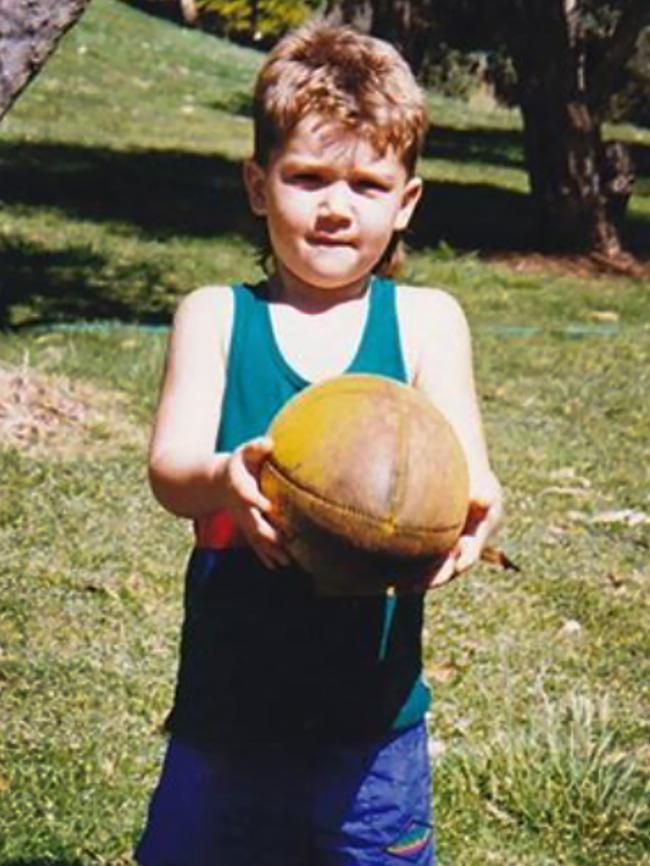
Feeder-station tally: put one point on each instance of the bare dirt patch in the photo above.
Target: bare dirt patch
(42, 413)
(581, 266)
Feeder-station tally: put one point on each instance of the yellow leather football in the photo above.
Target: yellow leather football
(369, 484)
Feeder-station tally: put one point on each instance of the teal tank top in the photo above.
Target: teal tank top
(262, 657)
(259, 379)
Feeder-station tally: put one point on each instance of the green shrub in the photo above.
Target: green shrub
(452, 72)
(260, 21)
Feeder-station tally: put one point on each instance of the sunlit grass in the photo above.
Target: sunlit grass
(121, 192)
(554, 781)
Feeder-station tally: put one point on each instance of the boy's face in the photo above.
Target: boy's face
(331, 203)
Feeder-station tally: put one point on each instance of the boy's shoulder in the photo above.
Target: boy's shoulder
(210, 304)
(206, 298)
(204, 316)
(428, 308)
(432, 326)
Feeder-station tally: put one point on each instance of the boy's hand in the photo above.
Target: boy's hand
(248, 505)
(468, 547)
(483, 516)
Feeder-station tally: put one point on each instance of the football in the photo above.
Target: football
(368, 482)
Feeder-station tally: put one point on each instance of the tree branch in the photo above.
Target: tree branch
(29, 33)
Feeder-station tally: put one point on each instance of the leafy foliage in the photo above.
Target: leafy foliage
(258, 20)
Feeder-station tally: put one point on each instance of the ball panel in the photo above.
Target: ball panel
(362, 530)
(436, 488)
(337, 566)
(321, 443)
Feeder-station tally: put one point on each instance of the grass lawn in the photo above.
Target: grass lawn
(120, 192)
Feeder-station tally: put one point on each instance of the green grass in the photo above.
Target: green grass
(120, 193)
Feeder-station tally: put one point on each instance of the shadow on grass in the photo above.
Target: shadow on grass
(157, 195)
(41, 861)
(73, 283)
(501, 147)
(168, 11)
(477, 217)
(153, 195)
(498, 147)
(161, 193)
(640, 154)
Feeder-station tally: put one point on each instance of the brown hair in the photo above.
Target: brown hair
(355, 80)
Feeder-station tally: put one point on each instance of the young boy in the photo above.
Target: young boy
(297, 732)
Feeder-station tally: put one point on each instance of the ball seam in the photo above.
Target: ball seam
(413, 530)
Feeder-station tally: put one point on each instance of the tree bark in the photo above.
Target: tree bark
(356, 13)
(404, 23)
(562, 137)
(189, 12)
(29, 33)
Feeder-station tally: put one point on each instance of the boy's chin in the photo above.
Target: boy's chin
(333, 277)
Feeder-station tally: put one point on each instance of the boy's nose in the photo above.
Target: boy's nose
(335, 203)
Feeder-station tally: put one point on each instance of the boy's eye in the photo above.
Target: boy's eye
(306, 178)
(370, 184)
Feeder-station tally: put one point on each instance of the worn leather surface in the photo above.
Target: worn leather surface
(368, 480)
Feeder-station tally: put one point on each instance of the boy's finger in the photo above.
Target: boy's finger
(255, 451)
(445, 573)
(271, 539)
(278, 555)
(263, 528)
(256, 499)
(271, 555)
(256, 539)
(477, 511)
(263, 555)
(469, 549)
(247, 488)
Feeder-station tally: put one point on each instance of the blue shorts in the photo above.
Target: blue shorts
(360, 805)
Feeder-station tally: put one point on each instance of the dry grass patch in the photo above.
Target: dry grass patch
(41, 413)
(581, 266)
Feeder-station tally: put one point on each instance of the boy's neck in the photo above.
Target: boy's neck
(286, 288)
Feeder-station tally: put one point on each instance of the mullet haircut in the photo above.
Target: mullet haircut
(357, 81)
(344, 76)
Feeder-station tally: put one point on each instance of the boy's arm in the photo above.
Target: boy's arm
(439, 355)
(186, 475)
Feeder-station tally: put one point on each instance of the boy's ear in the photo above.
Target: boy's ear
(255, 183)
(410, 197)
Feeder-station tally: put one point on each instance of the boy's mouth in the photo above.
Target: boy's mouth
(330, 241)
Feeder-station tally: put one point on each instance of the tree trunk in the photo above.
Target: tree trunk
(29, 33)
(406, 24)
(253, 33)
(562, 138)
(189, 12)
(356, 13)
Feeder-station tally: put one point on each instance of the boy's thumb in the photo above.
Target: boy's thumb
(476, 514)
(257, 449)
